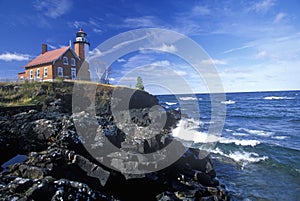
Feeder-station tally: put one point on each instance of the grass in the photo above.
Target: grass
(20, 94)
(33, 93)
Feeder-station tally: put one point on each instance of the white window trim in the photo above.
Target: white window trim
(73, 62)
(62, 72)
(67, 60)
(31, 74)
(72, 70)
(45, 72)
(38, 72)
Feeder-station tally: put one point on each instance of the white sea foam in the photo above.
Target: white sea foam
(278, 98)
(187, 129)
(251, 157)
(241, 156)
(239, 142)
(228, 102)
(240, 134)
(188, 98)
(280, 137)
(170, 103)
(257, 132)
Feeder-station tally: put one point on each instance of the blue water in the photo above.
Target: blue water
(257, 154)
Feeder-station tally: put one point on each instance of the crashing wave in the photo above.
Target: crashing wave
(188, 98)
(257, 132)
(187, 130)
(237, 142)
(278, 98)
(228, 102)
(170, 103)
(241, 157)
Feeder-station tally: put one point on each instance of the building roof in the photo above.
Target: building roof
(48, 57)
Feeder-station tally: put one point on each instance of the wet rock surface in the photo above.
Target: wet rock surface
(119, 156)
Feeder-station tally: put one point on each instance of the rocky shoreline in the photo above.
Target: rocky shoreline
(62, 164)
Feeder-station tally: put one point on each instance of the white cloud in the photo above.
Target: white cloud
(14, 57)
(262, 54)
(167, 48)
(51, 46)
(95, 53)
(53, 8)
(163, 63)
(121, 60)
(279, 17)
(141, 22)
(138, 60)
(263, 6)
(238, 48)
(180, 72)
(78, 24)
(97, 30)
(214, 61)
(200, 10)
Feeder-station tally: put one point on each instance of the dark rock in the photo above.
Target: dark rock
(33, 172)
(20, 185)
(91, 169)
(167, 196)
(118, 154)
(41, 92)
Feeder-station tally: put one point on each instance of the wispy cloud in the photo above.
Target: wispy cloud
(138, 60)
(121, 60)
(51, 46)
(167, 48)
(214, 61)
(95, 24)
(279, 17)
(191, 21)
(53, 8)
(141, 22)
(263, 6)
(78, 24)
(262, 54)
(238, 48)
(163, 63)
(180, 72)
(200, 10)
(97, 30)
(14, 57)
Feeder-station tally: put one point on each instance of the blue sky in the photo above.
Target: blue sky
(255, 45)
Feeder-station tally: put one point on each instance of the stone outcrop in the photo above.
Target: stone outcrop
(108, 157)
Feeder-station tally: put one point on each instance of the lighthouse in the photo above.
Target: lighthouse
(81, 44)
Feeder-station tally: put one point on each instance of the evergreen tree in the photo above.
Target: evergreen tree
(139, 84)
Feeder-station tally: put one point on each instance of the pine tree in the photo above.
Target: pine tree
(139, 84)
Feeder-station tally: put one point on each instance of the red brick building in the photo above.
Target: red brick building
(60, 63)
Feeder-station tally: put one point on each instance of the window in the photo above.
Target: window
(73, 73)
(66, 62)
(60, 72)
(31, 74)
(38, 72)
(73, 62)
(45, 72)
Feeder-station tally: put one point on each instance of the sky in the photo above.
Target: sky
(253, 45)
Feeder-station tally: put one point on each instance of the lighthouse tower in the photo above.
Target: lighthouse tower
(81, 44)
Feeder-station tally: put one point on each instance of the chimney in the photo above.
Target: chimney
(44, 48)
